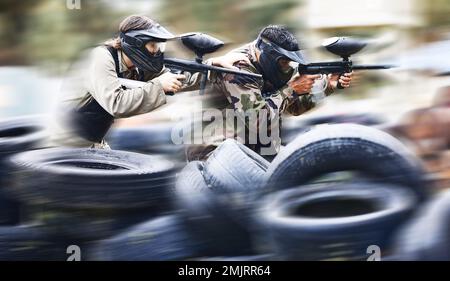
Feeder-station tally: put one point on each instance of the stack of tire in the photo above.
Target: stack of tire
(16, 135)
(87, 198)
(204, 224)
(19, 242)
(80, 196)
(426, 236)
(217, 198)
(329, 195)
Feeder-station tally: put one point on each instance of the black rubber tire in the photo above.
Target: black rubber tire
(292, 127)
(233, 167)
(87, 225)
(16, 135)
(362, 119)
(9, 210)
(209, 217)
(28, 243)
(334, 221)
(20, 134)
(426, 236)
(146, 139)
(92, 178)
(161, 239)
(346, 147)
(236, 173)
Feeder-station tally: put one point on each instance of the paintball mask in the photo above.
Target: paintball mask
(276, 64)
(133, 44)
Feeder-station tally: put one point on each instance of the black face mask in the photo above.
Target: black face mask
(133, 44)
(269, 66)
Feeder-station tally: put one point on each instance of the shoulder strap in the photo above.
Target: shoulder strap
(115, 56)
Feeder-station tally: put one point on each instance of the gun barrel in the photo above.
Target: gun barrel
(338, 67)
(321, 69)
(372, 66)
(195, 66)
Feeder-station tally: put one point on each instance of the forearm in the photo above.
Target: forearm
(300, 103)
(122, 103)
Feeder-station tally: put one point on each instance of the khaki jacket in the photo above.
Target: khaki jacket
(95, 77)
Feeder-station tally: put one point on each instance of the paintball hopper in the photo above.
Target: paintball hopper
(201, 43)
(343, 46)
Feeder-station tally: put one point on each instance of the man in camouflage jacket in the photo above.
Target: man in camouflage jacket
(282, 90)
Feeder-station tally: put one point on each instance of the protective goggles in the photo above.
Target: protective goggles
(157, 35)
(278, 52)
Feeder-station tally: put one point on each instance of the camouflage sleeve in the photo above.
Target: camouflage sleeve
(249, 105)
(299, 104)
(192, 82)
(242, 93)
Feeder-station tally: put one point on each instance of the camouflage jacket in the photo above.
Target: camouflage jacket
(245, 97)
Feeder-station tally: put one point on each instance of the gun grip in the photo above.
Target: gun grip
(178, 71)
(339, 86)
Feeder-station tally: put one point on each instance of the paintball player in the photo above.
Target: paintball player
(93, 97)
(282, 90)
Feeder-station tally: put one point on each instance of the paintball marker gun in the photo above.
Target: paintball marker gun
(201, 44)
(343, 47)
